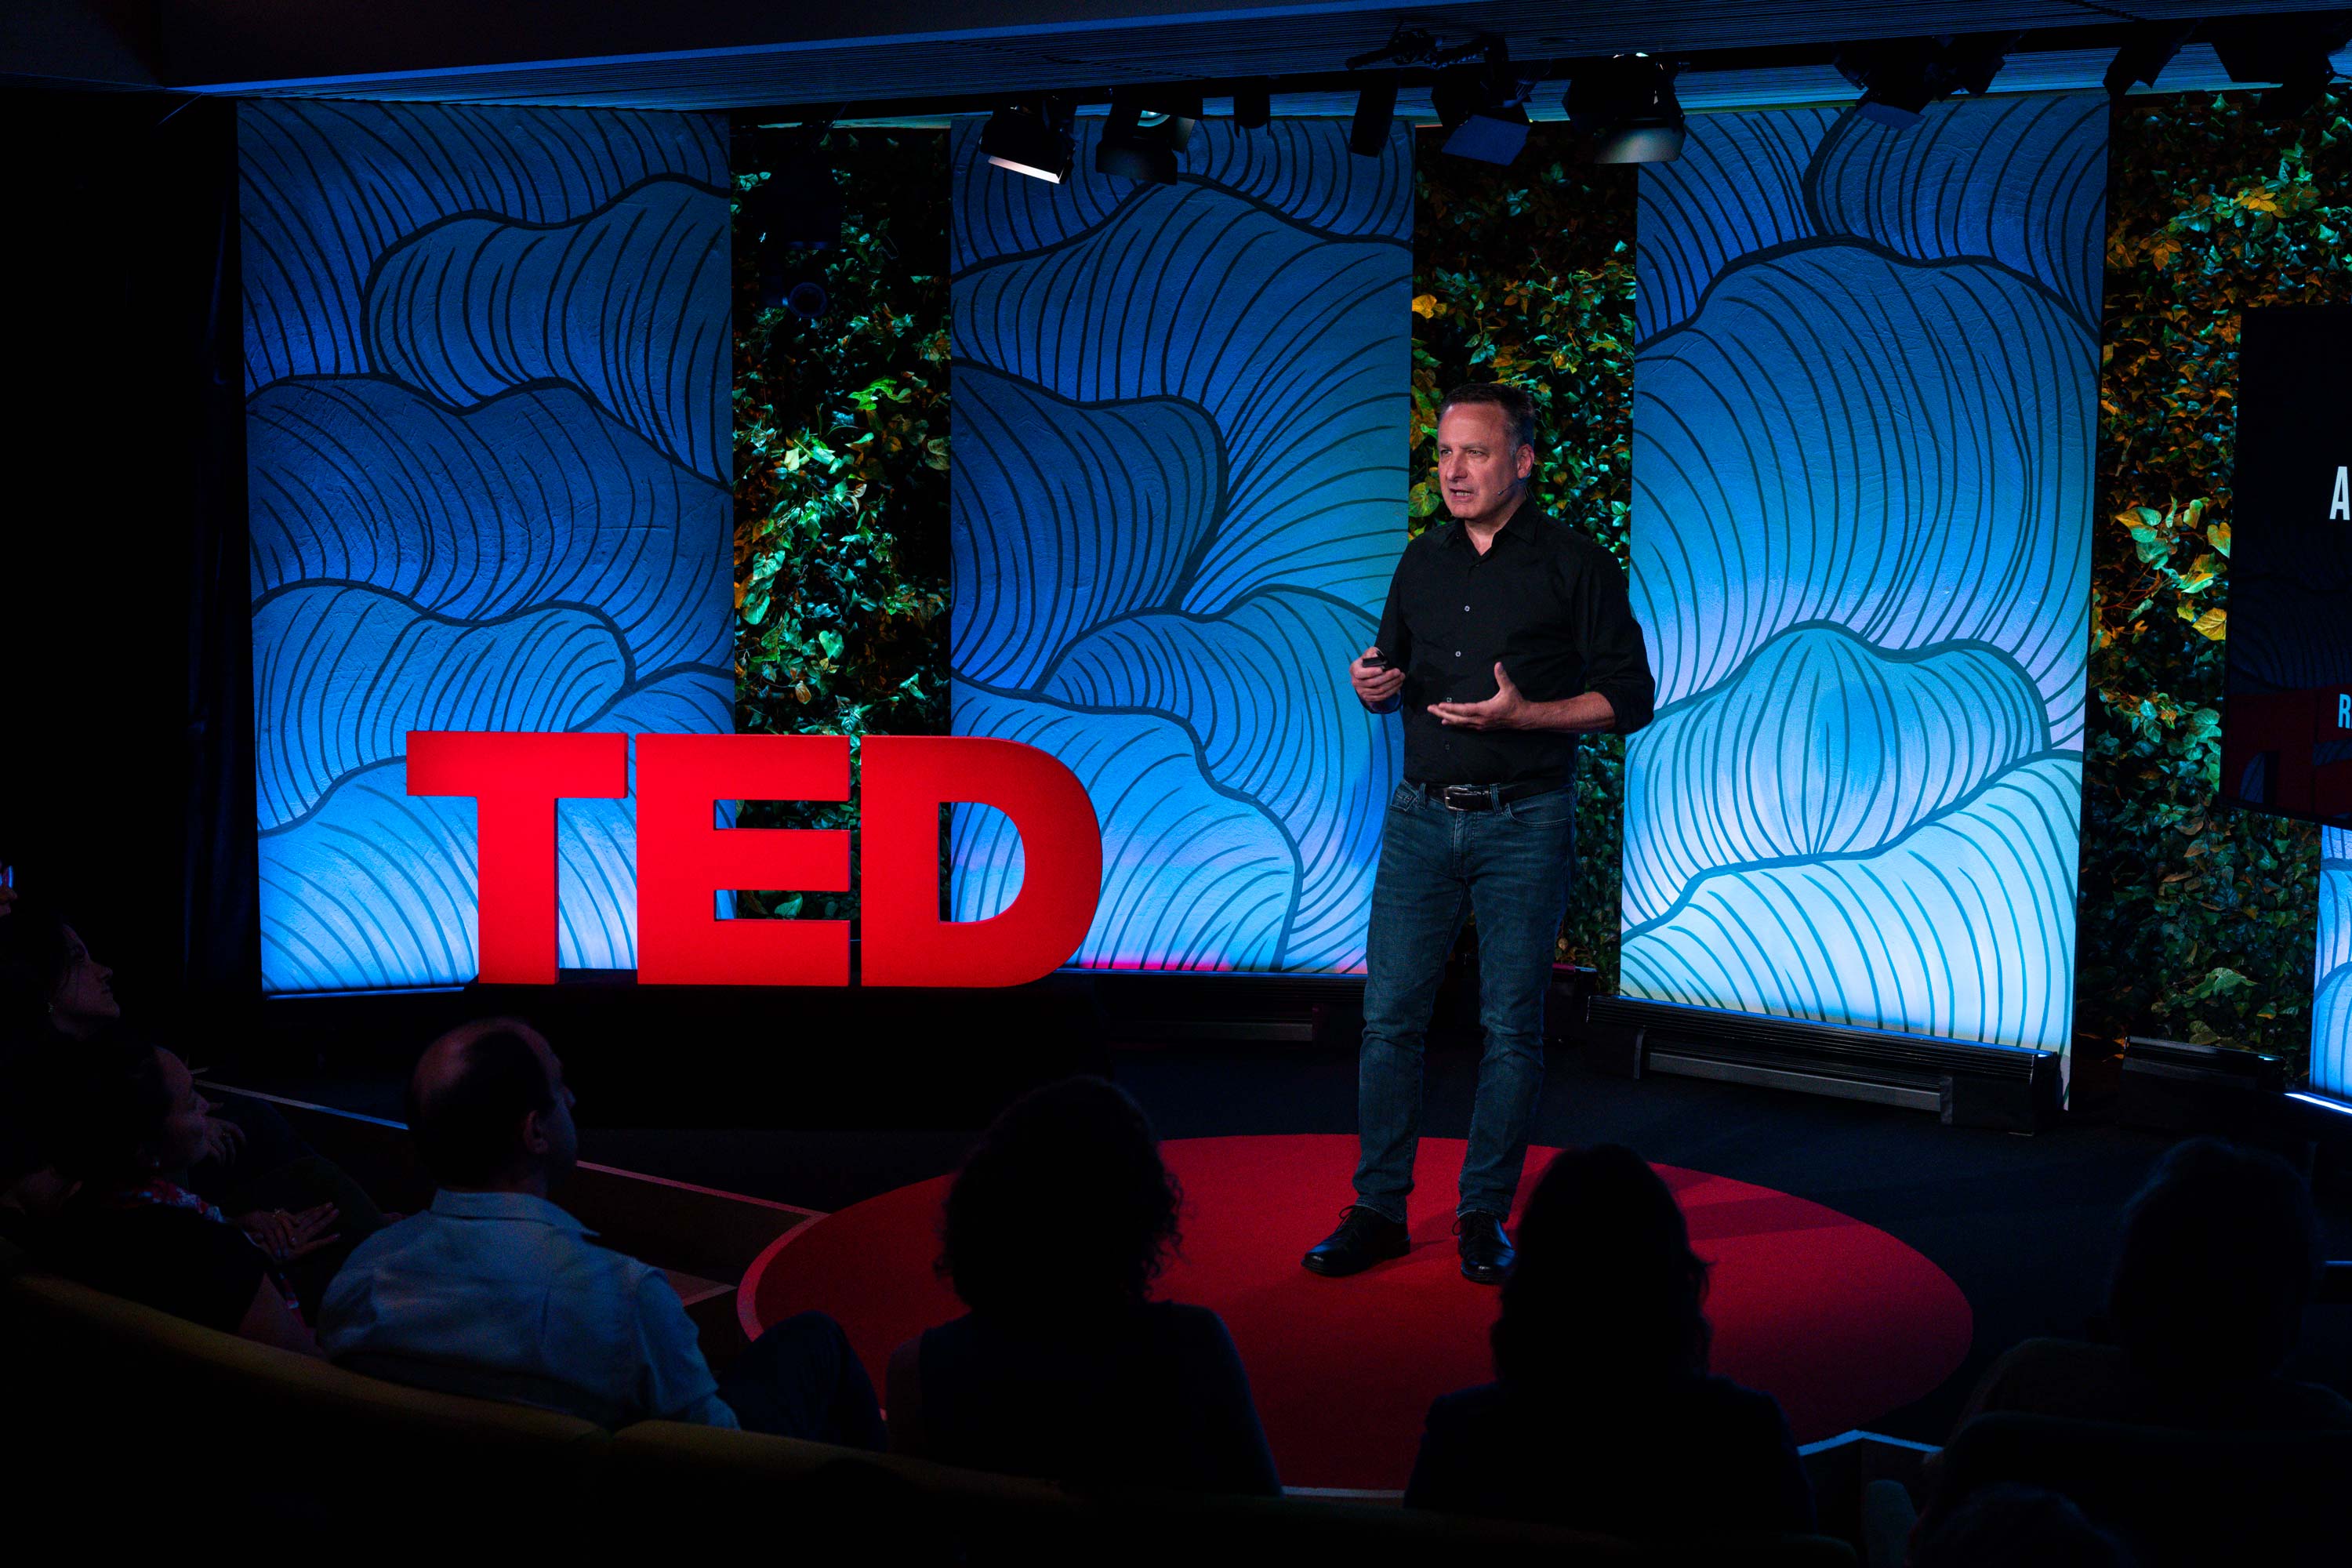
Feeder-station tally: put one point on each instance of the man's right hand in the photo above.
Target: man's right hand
(1377, 686)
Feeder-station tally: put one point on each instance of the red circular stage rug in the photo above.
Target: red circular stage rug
(1836, 1318)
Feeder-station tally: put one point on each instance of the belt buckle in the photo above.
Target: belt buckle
(1468, 797)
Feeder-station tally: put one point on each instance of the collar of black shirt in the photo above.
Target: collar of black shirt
(1515, 527)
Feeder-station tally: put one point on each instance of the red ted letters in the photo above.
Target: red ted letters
(683, 861)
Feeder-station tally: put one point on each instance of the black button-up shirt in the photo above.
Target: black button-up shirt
(1546, 603)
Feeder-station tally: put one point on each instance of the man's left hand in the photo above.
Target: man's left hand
(1507, 709)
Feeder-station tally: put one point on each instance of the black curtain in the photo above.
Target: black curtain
(126, 774)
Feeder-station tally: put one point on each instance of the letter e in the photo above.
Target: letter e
(683, 861)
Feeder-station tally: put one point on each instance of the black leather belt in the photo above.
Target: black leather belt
(1487, 797)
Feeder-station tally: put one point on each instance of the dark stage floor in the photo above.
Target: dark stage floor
(2021, 1224)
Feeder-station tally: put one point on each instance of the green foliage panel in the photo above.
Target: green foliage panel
(2196, 919)
(840, 457)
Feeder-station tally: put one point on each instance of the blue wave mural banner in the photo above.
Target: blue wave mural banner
(1865, 403)
(2331, 1002)
(490, 453)
(1179, 493)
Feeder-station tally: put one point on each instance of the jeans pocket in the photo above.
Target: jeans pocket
(1553, 809)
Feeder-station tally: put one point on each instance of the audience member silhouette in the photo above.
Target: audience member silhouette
(2012, 1526)
(2216, 1260)
(498, 1292)
(1054, 1233)
(56, 999)
(127, 1121)
(1601, 1416)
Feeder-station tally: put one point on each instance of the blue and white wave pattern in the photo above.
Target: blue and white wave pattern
(1178, 497)
(1865, 407)
(2331, 1002)
(489, 451)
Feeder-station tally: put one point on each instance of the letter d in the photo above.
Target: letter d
(907, 779)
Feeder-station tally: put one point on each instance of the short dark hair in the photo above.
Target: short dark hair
(2216, 1261)
(1606, 1288)
(466, 1129)
(1063, 1208)
(1518, 408)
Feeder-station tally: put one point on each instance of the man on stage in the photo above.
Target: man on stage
(1507, 636)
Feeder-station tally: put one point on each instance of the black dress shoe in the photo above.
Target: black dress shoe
(1486, 1253)
(1363, 1239)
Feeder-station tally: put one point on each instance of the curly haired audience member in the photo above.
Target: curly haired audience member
(1601, 1416)
(1065, 1367)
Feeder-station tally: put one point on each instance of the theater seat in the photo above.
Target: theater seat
(115, 1390)
(2176, 1497)
(808, 1495)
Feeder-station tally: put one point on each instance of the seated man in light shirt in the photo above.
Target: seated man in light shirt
(496, 1292)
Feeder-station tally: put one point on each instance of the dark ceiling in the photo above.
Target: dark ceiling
(887, 54)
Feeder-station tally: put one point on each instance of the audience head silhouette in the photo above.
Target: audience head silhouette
(47, 978)
(2013, 1526)
(126, 1111)
(489, 1111)
(2218, 1255)
(1064, 1209)
(1606, 1287)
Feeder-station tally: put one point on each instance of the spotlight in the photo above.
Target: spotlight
(1148, 128)
(1253, 105)
(1900, 78)
(1483, 106)
(2292, 51)
(2146, 50)
(1626, 109)
(1375, 110)
(1032, 140)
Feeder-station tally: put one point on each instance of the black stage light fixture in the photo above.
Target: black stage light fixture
(1253, 105)
(1032, 139)
(1625, 108)
(1901, 77)
(1482, 106)
(1147, 131)
(2147, 49)
(1375, 109)
(2293, 51)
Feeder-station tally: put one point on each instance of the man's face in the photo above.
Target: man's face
(1480, 470)
(556, 1126)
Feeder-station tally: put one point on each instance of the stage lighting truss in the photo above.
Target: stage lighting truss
(2293, 51)
(1899, 79)
(2146, 50)
(1482, 106)
(1147, 132)
(1624, 108)
(1032, 139)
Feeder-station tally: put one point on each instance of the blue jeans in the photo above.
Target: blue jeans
(1510, 866)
